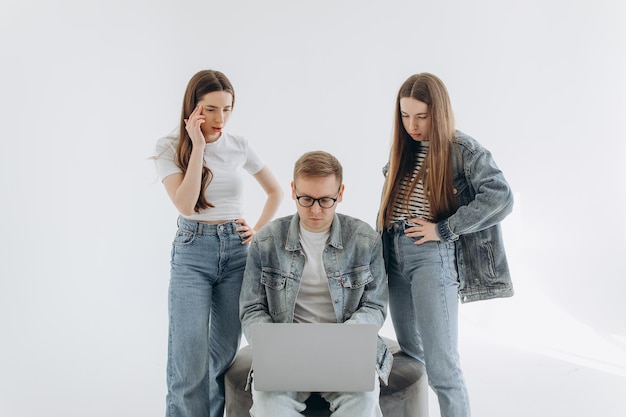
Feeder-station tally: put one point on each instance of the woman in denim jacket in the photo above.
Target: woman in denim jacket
(442, 202)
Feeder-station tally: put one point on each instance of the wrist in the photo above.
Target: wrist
(197, 150)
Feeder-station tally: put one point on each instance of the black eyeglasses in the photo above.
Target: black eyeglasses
(324, 202)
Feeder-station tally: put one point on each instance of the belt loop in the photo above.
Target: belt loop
(398, 226)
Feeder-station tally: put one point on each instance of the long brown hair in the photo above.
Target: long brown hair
(438, 183)
(203, 82)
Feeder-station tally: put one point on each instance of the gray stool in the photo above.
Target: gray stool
(405, 396)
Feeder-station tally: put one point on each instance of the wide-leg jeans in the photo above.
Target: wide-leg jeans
(423, 303)
(207, 266)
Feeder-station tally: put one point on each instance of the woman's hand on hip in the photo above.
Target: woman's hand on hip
(424, 230)
(245, 231)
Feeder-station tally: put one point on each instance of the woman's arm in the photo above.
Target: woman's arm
(184, 190)
(492, 202)
(274, 196)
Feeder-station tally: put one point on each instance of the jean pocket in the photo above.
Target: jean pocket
(412, 238)
(184, 237)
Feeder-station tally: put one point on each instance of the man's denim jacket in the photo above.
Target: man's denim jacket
(484, 199)
(354, 267)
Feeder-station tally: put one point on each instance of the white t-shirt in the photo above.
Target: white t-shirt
(226, 158)
(313, 304)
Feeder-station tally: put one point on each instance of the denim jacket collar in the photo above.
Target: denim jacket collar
(293, 236)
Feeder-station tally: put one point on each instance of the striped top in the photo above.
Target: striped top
(418, 205)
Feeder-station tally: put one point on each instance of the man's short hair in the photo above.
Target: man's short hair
(317, 164)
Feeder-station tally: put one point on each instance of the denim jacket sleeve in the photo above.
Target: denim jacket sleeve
(483, 195)
(252, 300)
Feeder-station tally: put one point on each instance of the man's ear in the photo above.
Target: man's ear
(340, 197)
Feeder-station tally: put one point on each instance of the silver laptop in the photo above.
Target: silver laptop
(314, 357)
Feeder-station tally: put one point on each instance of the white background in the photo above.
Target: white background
(87, 87)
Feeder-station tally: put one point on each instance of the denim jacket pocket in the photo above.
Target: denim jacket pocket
(487, 258)
(462, 190)
(275, 284)
(357, 277)
(477, 260)
(353, 283)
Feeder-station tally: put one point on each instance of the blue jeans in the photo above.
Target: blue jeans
(207, 267)
(342, 404)
(423, 302)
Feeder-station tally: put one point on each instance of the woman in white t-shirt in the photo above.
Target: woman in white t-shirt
(201, 168)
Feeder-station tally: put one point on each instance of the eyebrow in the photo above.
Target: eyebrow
(305, 195)
(210, 106)
(316, 198)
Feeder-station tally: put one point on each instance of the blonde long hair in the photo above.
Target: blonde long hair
(436, 172)
(203, 82)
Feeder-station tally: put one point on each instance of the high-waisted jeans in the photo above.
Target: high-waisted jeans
(423, 302)
(207, 267)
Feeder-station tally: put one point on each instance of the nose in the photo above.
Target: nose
(316, 208)
(219, 116)
(412, 125)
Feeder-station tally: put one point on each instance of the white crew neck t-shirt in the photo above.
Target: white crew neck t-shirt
(314, 304)
(227, 158)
